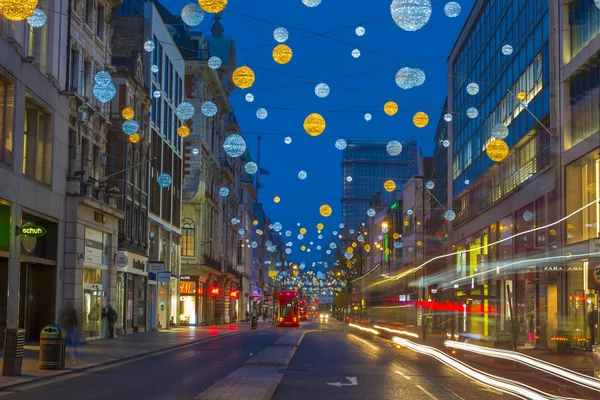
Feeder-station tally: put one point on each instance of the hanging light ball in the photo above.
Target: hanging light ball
(127, 113)
(390, 108)
(430, 185)
(389, 185)
(195, 151)
(302, 175)
(360, 31)
(497, 150)
(213, 6)
(281, 35)
(192, 14)
(521, 95)
(348, 179)
(472, 112)
(235, 221)
(149, 45)
(214, 62)
(251, 168)
(37, 19)
(303, 231)
(249, 97)
(164, 180)
(282, 54)
(15, 10)
(452, 9)
(446, 143)
(356, 53)
(411, 15)
(340, 144)
(156, 94)
(104, 94)
(234, 145)
(288, 251)
(447, 117)
(407, 78)
(420, 119)
(223, 192)
(183, 131)
(314, 124)
(209, 109)
(528, 216)
(320, 227)
(134, 138)
(467, 181)
(154, 69)
(276, 199)
(130, 127)
(103, 79)
(185, 111)
(472, 88)
(371, 212)
(322, 90)
(394, 148)
(325, 210)
(311, 3)
(500, 131)
(243, 77)
(507, 49)
(409, 212)
(450, 215)
(277, 226)
(261, 113)
(287, 140)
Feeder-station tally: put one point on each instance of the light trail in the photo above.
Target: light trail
(564, 373)
(415, 269)
(405, 333)
(362, 328)
(508, 386)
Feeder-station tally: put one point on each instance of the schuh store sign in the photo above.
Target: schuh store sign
(31, 230)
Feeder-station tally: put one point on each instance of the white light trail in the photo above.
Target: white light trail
(373, 331)
(405, 333)
(572, 376)
(514, 388)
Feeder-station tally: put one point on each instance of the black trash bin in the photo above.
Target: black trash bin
(254, 323)
(53, 343)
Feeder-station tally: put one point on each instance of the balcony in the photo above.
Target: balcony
(212, 262)
(226, 167)
(536, 165)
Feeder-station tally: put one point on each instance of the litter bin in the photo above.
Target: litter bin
(53, 341)
(14, 341)
(254, 323)
(596, 358)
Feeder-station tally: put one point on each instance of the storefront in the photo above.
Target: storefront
(132, 286)
(4, 247)
(191, 292)
(95, 267)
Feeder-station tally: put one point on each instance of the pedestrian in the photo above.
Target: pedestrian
(111, 317)
(531, 328)
(72, 327)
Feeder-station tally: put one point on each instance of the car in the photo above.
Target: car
(324, 317)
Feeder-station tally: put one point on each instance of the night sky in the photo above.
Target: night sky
(362, 85)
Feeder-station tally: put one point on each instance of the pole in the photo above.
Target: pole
(123, 170)
(512, 320)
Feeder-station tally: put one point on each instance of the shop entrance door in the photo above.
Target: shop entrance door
(37, 299)
(92, 311)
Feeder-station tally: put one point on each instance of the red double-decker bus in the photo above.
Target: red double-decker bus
(288, 308)
(303, 310)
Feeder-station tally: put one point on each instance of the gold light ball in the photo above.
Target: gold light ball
(388, 252)
(134, 138)
(212, 6)
(17, 10)
(390, 108)
(419, 243)
(183, 131)
(350, 250)
(282, 54)
(497, 150)
(367, 247)
(325, 210)
(127, 113)
(276, 199)
(243, 77)
(521, 95)
(303, 248)
(420, 119)
(255, 222)
(303, 231)
(314, 124)
(320, 226)
(389, 185)
(354, 244)
(395, 236)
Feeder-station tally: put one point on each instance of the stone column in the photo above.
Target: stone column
(14, 270)
(73, 262)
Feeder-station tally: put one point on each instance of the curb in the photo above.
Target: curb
(11, 387)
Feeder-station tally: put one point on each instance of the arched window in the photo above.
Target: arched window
(188, 238)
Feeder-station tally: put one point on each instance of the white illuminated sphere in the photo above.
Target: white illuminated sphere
(149, 45)
(472, 112)
(214, 62)
(311, 3)
(251, 168)
(322, 90)
(467, 181)
(528, 216)
(154, 69)
(368, 117)
(360, 31)
(348, 179)
(356, 53)
(37, 19)
(234, 145)
(340, 144)
(370, 213)
(472, 88)
(249, 97)
(209, 109)
(500, 131)
(156, 94)
(449, 215)
(507, 49)
(411, 15)
(224, 192)
(287, 140)
(447, 117)
(394, 148)
(446, 143)
(281, 35)
(261, 113)
(302, 175)
(452, 9)
(195, 151)
(192, 14)
(430, 185)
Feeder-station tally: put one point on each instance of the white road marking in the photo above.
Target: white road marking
(353, 382)
(402, 375)
(432, 397)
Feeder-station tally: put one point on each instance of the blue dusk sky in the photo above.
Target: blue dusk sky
(322, 39)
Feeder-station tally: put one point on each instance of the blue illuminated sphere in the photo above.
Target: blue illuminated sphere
(37, 19)
(311, 3)
(302, 175)
(104, 94)
(322, 90)
(452, 9)
(261, 113)
(209, 109)
(241, 231)
(281, 35)
(277, 226)
(251, 168)
(234, 145)
(154, 69)
(340, 144)
(288, 251)
(472, 88)
(214, 62)
(411, 15)
(103, 79)
(192, 14)
(447, 117)
(397, 245)
(370, 213)
(149, 45)
(394, 148)
(430, 185)
(249, 97)
(130, 127)
(507, 49)
(223, 191)
(288, 140)
(164, 180)
(235, 221)
(450, 215)
(472, 112)
(185, 111)
(156, 94)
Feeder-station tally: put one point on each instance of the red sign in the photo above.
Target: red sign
(234, 293)
(215, 291)
(186, 287)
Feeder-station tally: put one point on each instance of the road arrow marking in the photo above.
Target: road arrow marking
(353, 382)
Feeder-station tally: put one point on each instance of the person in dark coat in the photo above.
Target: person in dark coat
(72, 328)
(111, 317)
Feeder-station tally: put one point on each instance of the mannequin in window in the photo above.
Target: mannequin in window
(592, 319)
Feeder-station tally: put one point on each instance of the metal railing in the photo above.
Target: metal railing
(531, 168)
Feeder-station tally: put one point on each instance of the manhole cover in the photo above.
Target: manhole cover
(294, 371)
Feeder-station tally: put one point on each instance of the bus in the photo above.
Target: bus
(288, 308)
(303, 310)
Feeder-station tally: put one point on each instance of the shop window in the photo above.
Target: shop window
(505, 230)
(540, 220)
(188, 238)
(37, 142)
(86, 77)
(7, 101)
(524, 221)
(583, 188)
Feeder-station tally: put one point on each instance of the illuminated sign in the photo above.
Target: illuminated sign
(31, 230)
(395, 205)
(215, 291)
(187, 287)
(234, 293)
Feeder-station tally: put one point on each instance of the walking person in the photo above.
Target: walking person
(72, 327)
(111, 317)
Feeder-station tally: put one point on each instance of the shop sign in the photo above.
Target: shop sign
(94, 246)
(595, 246)
(164, 277)
(256, 292)
(141, 265)
(187, 287)
(121, 260)
(31, 230)
(185, 278)
(595, 275)
(215, 291)
(156, 267)
(561, 268)
(234, 294)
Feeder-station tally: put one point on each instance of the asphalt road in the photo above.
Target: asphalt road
(178, 374)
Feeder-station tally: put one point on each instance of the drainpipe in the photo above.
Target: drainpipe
(68, 69)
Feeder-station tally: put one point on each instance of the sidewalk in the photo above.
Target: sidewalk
(99, 352)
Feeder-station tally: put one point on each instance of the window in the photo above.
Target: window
(95, 163)
(143, 228)
(86, 79)
(89, 11)
(74, 78)
(100, 22)
(240, 252)
(135, 230)
(136, 169)
(7, 101)
(36, 46)
(188, 238)
(583, 188)
(37, 142)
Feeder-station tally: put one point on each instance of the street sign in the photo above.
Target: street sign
(121, 260)
(156, 267)
(595, 275)
(352, 379)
